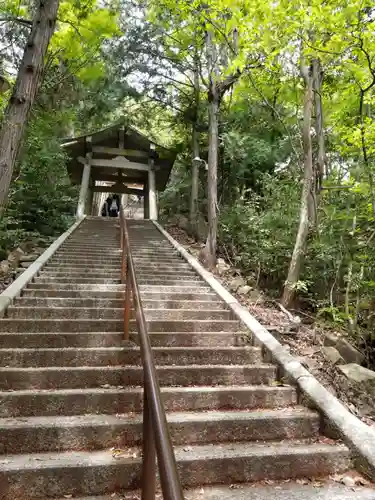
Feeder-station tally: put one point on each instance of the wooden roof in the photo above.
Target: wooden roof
(138, 150)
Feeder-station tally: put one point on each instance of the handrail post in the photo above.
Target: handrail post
(127, 306)
(122, 245)
(123, 260)
(149, 452)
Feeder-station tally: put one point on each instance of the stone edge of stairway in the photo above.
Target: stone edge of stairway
(15, 288)
(337, 419)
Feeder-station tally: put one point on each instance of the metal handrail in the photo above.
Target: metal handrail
(156, 437)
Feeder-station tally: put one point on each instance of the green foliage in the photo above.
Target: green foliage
(42, 200)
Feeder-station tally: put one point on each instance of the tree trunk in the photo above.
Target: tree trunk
(319, 123)
(213, 147)
(304, 222)
(193, 217)
(24, 92)
(364, 150)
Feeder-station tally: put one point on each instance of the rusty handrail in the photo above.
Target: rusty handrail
(156, 437)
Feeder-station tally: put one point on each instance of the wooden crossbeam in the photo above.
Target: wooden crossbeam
(116, 178)
(120, 151)
(119, 163)
(118, 189)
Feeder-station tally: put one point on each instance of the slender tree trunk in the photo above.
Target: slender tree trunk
(213, 148)
(193, 216)
(364, 150)
(24, 92)
(319, 122)
(304, 222)
(195, 161)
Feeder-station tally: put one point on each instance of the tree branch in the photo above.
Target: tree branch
(19, 20)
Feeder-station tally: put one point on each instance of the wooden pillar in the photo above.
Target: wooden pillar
(89, 201)
(146, 205)
(96, 204)
(81, 207)
(153, 204)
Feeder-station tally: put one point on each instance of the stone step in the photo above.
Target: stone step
(81, 266)
(205, 294)
(169, 278)
(42, 475)
(107, 313)
(203, 339)
(146, 269)
(57, 261)
(108, 339)
(130, 399)
(109, 246)
(78, 302)
(291, 490)
(57, 279)
(60, 339)
(103, 287)
(151, 289)
(112, 273)
(197, 282)
(85, 257)
(192, 326)
(100, 273)
(10, 325)
(176, 260)
(105, 356)
(94, 432)
(83, 254)
(167, 273)
(175, 266)
(96, 376)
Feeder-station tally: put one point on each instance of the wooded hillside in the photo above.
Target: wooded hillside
(270, 105)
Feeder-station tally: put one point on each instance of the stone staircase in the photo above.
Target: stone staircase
(71, 396)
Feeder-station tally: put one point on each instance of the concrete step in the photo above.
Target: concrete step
(78, 302)
(195, 288)
(85, 257)
(103, 293)
(170, 273)
(76, 274)
(163, 282)
(76, 473)
(172, 266)
(115, 272)
(95, 287)
(83, 254)
(169, 279)
(96, 292)
(100, 314)
(106, 356)
(98, 271)
(108, 246)
(79, 266)
(57, 279)
(130, 399)
(69, 356)
(94, 432)
(108, 339)
(62, 377)
(175, 261)
(66, 261)
(192, 326)
(291, 490)
(60, 339)
(10, 325)
(203, 339)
